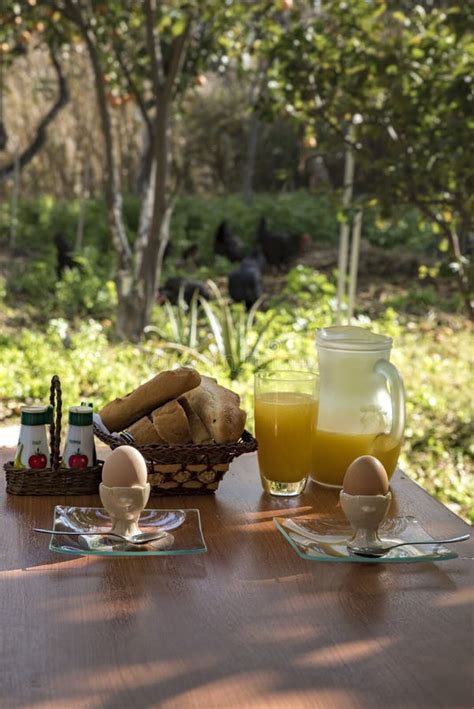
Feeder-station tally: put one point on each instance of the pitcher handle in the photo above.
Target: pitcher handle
(397, 396)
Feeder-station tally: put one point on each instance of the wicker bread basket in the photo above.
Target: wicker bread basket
(188, 468)
(54, 480)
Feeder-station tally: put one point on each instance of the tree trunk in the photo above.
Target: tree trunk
(137, 291)
(138, 272)
(344, 233)
(131, 319)
(161, 209)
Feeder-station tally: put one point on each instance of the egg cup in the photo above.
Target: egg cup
(124, 505)
(365, 514)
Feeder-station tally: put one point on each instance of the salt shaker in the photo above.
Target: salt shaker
(32, 449)
(79, 450)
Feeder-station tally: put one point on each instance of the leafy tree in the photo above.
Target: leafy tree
(402, 76)
(152, 54)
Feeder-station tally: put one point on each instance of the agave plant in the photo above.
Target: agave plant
(233, 335)
(183, 323)
(236, 335)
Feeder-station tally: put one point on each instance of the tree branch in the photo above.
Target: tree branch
(134, 89)
(154, 46)
(179, 47)
(41, 132)
(453, 239)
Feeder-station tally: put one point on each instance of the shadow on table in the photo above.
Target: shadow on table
(165, 631)
(179, 646)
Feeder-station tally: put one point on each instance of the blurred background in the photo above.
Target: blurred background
(207, 183)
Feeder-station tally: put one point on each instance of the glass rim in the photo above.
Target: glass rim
(291, 375)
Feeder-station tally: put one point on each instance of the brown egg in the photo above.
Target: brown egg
(365, 476)
(125, 467)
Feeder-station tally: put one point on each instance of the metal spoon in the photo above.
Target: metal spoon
(376, 552)
(141, 538)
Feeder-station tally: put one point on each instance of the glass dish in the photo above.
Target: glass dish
(326, 540)
(186, 537)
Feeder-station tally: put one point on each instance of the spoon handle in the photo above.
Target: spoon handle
(452, 540)
(75, 534)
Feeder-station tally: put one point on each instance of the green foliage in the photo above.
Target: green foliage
(438, 451)
(32, 283)
(308, 286)
(216, 333)
(41, 219)
(398, 87)
(194, 221)
(405, 79)
(418, 301)
(85, 290)
(177, 326)
(237, 335)
(434, 361)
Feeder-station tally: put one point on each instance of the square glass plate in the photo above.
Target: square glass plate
(326, 540)
(183, 527)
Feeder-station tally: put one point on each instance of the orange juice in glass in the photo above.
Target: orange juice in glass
(286, 409)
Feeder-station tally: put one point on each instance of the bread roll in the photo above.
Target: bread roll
(122, 412)
(172, 423)
(219, 410)
(143, 432)
(199, 432)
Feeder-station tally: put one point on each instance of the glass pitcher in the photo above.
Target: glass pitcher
(361, 406)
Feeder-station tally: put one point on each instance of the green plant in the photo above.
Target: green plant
(177, 328)
(308, 286)
(86, 289)
(393, 80)
(237, 335)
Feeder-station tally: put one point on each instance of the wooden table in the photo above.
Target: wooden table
(249, 624)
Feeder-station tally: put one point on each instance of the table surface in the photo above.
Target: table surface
(249, 624)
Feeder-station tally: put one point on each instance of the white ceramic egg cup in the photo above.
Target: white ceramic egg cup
(365, 514)
(125, 505)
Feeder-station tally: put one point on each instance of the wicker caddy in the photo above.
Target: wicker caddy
(188, 468)
(54, 480)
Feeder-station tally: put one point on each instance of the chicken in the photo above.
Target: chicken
(279, 249)
(245, 282)
(65, 255)
(227, 244)
(175, 285)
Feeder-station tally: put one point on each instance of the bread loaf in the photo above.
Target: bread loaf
(172, 423)
(199, 432)
(143, 432)
(122, 412)
(219, 410)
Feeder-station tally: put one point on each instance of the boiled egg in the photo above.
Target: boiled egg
(366, 476)
(125, 467)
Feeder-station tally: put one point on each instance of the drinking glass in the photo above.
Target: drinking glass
(286, 409)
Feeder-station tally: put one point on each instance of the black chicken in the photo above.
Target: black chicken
(279, 249)
(173, 286)
(245, 282)
(65, 255)
(227, 244)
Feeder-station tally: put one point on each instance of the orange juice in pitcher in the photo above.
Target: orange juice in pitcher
(333, 452)
(361, 405)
